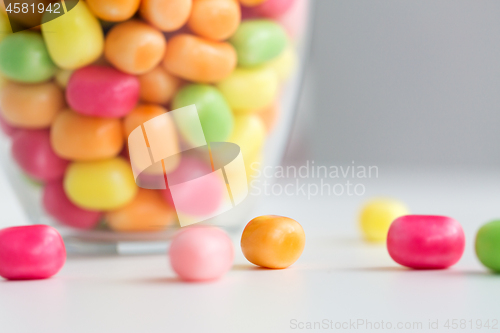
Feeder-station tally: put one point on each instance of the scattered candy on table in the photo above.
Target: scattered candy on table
(201, 253)
(377, 215)
(273, 241)
(488, 245)
(31, 252)
(426, 241)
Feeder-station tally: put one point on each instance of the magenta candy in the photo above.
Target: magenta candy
(199, 200)
(31, 252)
(201, 253)
(426, 241)
(273, 8)
(6, 128)
(32, 151)
(102, 92)
(57, 204)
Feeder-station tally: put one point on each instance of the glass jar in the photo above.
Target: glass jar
(116, 231)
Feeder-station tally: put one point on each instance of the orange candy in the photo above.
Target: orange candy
(158, 86)
(251, 3)
(166, 15)
(114, 10)
(269, 116)
(134, 47)
(31, 105)
(199, 60)
(273, 241)
(139, 115)
(147, 212)
(215, 19)
(81, 138)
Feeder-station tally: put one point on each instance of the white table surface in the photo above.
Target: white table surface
(338, 278)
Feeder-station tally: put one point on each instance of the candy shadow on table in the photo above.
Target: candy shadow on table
(171, 280)
(244, 267)
(340, 241)
(377, 269)
(485, 273)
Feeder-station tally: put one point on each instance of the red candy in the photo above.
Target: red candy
(57, 204)
(102, 92)
(426, 241)
(32, 151)
(31, 252)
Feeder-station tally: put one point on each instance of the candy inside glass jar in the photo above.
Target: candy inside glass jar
(74, 89)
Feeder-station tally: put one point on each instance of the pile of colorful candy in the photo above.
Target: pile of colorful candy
(202, 253)
(73, 92)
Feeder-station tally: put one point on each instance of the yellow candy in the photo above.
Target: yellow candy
(250, 89)
(377, 215)
(284, 64)
(101, 185)
(5, 28)
(62, 77)
(74, 39)
(249, 133)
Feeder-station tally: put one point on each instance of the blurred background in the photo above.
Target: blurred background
(402, 83)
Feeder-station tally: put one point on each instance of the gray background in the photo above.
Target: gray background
(403, 83)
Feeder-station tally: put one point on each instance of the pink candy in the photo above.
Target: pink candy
(201, 253)
(273, 8)
(102, 92)
(426, 241)
(57, 204)
(202, 198)
(31, 252)
(31, 149)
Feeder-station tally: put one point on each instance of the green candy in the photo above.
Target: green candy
(258, 41)
(24, 58)
(215, 114)
(488, 245)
